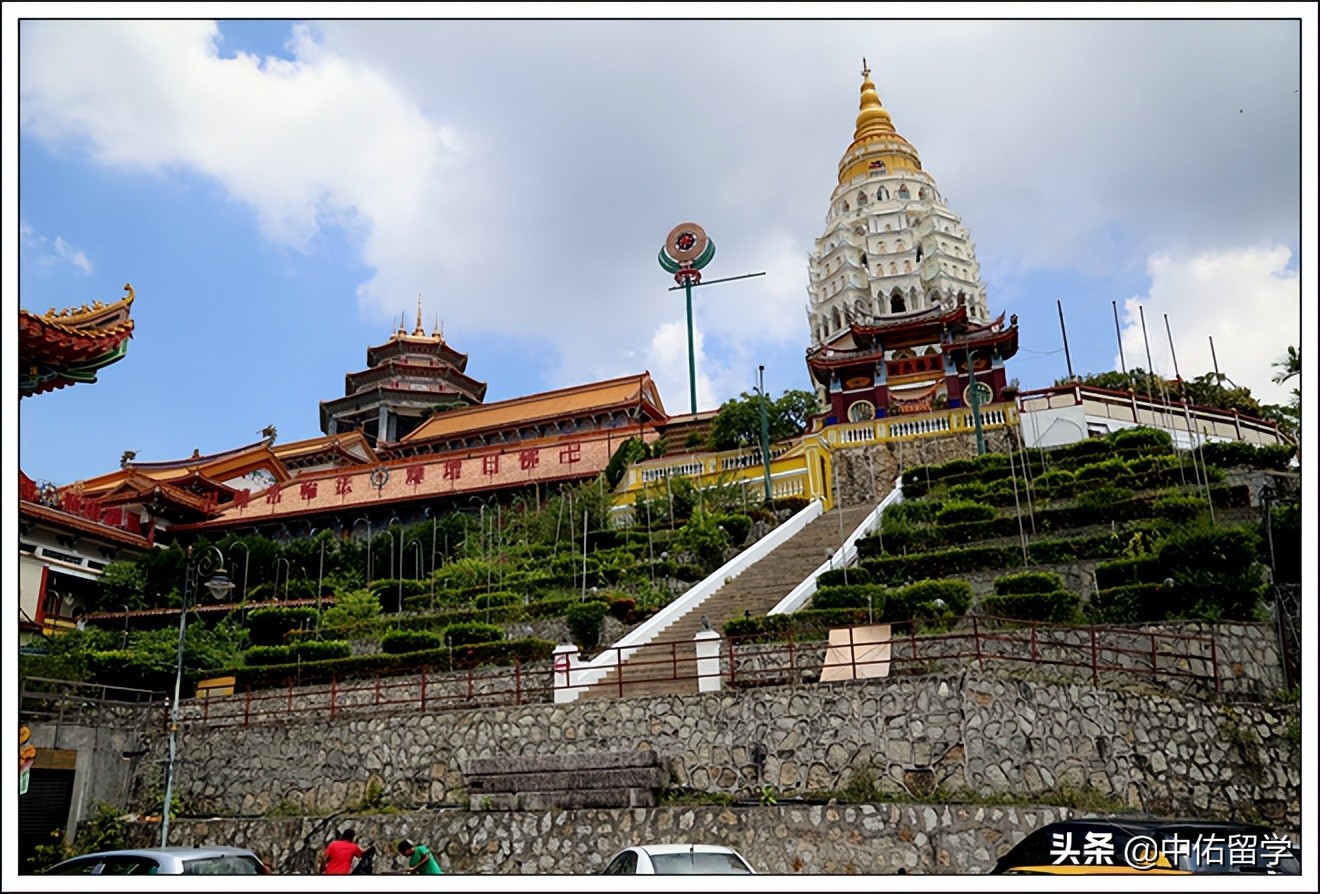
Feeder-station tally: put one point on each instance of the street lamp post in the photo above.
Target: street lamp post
(354, 528)
(277, 577)
(247, 553)
(209, 562)
(765, 428)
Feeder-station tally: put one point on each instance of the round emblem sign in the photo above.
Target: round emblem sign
(686, 242)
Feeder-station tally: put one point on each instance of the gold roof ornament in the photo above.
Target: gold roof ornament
(876, 145)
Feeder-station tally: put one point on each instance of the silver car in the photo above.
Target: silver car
(207, 860)
(677, 859)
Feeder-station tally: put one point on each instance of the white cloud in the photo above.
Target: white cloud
(50, 252)
(1247, 301)
(72, 255)
(527, 192)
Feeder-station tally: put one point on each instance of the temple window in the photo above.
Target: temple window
(907, 266)
(861, 411)
(903, 192)
(861, 198)
(896, 304)
(881, 194)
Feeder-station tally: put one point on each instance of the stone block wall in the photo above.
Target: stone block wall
(970, 731)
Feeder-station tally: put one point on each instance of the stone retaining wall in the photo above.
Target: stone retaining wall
(975, 732)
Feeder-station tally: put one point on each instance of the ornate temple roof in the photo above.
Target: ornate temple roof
(57, 349)
(627, 391)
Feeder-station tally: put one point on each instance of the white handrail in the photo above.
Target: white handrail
(594, 670)
(841, 557)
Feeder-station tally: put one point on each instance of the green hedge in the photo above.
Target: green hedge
(301, 651)
(271, 626)
(869, 596)
(471, 633)
(506, 653)
(1027, 582)
(397, 642)
(1055, 606)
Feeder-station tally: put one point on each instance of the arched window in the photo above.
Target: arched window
(896, 303)
(861, 198)
(901, 246)
(903, 192)
(861, 411)
(893, 269)
(907, 266)
(882, 194)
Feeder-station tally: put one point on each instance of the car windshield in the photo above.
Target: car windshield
(698, 863)
(235, 864)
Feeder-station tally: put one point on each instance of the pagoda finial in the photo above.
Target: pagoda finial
(435, 330)
(866, 71)
(418, 330)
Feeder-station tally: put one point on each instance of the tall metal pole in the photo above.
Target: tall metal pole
(219, 584)
(1118, 333)
(1066, 356)
(692, 356)
(765, 429)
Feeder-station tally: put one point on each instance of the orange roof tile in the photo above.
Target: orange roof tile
(564, 402)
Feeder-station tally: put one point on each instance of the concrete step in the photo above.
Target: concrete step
(651, 669)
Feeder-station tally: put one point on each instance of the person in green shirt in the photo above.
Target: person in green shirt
(420, 859)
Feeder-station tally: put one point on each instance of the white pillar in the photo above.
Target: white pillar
(708, 660)
(565, 673)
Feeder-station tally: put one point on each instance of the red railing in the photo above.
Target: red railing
(673, 666)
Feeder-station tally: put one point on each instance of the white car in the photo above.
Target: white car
(214, 860)
(677, 859)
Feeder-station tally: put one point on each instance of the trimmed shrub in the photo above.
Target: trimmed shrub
(584, 622)
(1130, 604)
(1055, 483)
(306, 650)
(968, 491)
(918, 600)
(736, 526)
(271, 626)
(1028, 582)
(1102, 496)
(1126, 572)
(471, 633)
(1142, 438)
(1180, 509)
(835, 577)
(397, 642)
(496, 599)
(867, 596)
(1055, 606)
(956, 511)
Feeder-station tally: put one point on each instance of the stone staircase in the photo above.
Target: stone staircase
(668, 664)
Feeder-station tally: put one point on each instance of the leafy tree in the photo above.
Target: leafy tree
(739, 420)
(629, 452)
(123, 583)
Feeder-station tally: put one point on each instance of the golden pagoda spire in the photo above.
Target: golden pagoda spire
(875, 146)
(418, 330)
(872, 119)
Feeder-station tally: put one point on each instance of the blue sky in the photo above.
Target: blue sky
(280, 192)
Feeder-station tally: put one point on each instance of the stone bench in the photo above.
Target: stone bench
(584, 779)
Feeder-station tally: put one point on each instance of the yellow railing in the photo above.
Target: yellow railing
(798, 468)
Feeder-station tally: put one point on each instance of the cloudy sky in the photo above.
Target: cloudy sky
(281, 192)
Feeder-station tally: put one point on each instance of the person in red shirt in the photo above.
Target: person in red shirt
(340, 853)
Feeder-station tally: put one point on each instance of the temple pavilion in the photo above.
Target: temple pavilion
(898, 314)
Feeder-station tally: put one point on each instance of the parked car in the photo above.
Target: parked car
(207, 860)
(1151, 847)
(677, 859)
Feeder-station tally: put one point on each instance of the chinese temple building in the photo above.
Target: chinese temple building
(64, 541)
(60, 349)
(406, 379)
(897, 306)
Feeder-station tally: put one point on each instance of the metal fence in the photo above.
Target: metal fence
(1180, 663)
